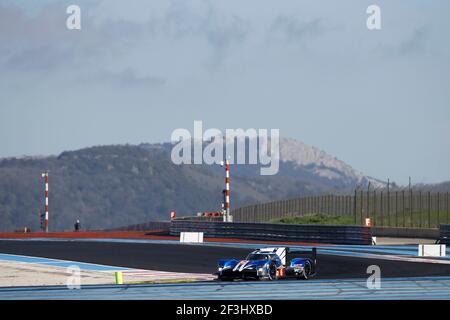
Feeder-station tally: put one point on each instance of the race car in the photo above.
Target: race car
(269, 264)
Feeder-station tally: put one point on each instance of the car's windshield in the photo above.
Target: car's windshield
(258, 256)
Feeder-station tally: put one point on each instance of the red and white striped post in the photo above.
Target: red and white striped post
(45, 176)
(227, 191)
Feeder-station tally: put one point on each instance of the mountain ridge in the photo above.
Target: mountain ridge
(116, 185)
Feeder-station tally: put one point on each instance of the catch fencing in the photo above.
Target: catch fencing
(404, 208)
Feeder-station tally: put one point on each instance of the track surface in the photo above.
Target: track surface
(391, 288)
(202, 259)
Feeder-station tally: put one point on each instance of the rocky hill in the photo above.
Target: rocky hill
(110, 186)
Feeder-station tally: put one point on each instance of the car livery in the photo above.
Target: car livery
(270, 264)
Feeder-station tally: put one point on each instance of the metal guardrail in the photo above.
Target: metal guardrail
(444, 234)
(391, 232)
(148, 226)
(276, 232)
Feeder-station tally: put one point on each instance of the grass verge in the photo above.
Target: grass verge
(316, 219)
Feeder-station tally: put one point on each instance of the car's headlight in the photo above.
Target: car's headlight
(220, 269)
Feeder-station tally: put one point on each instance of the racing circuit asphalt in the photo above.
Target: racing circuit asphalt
(203, 259)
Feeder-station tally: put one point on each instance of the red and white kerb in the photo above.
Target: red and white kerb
(45, 176)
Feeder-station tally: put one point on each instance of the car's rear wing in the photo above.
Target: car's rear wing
(279, 251)
(282, 252)
(312, 253)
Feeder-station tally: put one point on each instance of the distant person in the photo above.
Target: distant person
(77, 225)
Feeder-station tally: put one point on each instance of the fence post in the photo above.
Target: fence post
(307, 205)
(314, 204)
(410, 209)
(447, 208)
(337, 204)
(362, 197)
(349, 205)
(368, 204)
(330, 207)
(320, 202)
(374, 212)
(429, 209)
(354, 205)
(396, 209)
(310, 205)
(347, 210)
(318, 209)
(381, 209)
(420, 209)
(403, 208)
(438, 209)
(388, 204)
(333, 208)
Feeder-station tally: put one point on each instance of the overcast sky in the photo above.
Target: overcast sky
(137, 70)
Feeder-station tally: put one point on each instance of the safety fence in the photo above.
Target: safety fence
(392, 232)
(147, 226)
(404, 208)
(357, 235)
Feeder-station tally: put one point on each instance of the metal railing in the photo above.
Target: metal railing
(147, 226)
(276, 232)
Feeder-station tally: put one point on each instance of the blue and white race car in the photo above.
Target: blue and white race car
(269, 264)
